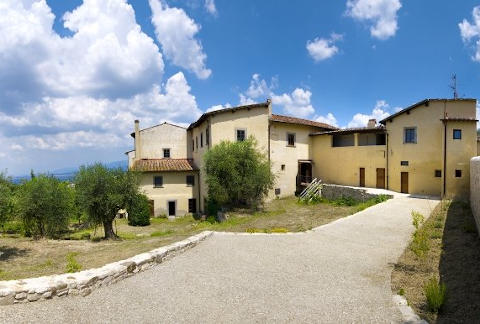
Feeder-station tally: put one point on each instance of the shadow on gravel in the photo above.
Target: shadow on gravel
(7, 253)
(460, 267)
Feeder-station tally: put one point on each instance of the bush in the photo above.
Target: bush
(6, 199)
(139, 211)
(237, 174)
(417, 219)
(419, 244)
(72, 263)
(436, 294)
(44, 206)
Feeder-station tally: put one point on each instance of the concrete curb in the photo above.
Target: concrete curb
(408, 314)
(82, 283)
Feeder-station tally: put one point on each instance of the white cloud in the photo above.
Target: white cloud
(328, 119)
(210, 7)
(218, 107)
(470, 31)
(379, 112)
(323, 48)
(176, 32)
(381, 13)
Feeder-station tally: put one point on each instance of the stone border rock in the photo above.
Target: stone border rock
(83, 282)
(408, 314)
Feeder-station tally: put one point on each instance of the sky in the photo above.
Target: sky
(74, 75)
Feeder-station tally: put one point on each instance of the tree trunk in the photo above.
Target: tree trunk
(108, 229)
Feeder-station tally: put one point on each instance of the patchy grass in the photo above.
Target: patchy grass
(439, 271)
(22, 257)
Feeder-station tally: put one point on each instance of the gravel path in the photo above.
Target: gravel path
(340, 272)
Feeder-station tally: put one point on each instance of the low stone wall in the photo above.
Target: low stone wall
(82, 283)
(475, 189)
(332, 192)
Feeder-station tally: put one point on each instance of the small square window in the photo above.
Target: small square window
(190, 180)
(404, 163)
(438, 173)
(277, 191)
(166, 153)
(241, 135)
(410, 135)
(290, 139)
(457, 134)
(207, 136)
(196, 142)
(283, 167)
(458, 173)
(193, 145)
(201, 139)
(157, 181)
(192, 205)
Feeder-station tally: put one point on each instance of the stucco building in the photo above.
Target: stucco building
(423, 149)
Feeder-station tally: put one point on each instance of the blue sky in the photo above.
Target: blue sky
(75, 74)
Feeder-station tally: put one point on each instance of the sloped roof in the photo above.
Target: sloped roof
(421, 103)
(232, 109)
(299, 121)
(164, 123)
(162, 165)
(377, 129)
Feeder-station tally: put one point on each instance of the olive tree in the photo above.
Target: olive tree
(101, 192)
(44, 204)
(6, 199)
(237, 174)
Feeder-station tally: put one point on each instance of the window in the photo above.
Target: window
(438, 173)
(457, 134)
(190, 180)
(343, 140)
(201, 139)
(410, 135)
(196, 142)
(166, 153)
(290, 139)
(157, 181)
(192, 205)
(366, 139)
(283, 167)
(207, 136)
(241, 135)
(277, 191)
(458, 173)
(404, 163)
(193, 145)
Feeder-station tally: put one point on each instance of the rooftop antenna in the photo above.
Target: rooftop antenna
(453, 86)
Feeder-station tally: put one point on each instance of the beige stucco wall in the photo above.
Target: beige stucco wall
(341, 165)
(427, 155)
(475, 189)
(174, 188)
(478, 147)
(153, 140)
(281, 153)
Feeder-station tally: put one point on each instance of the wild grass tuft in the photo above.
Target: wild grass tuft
(161, 233)
(72, 263)
(417, 219)
(436, 294)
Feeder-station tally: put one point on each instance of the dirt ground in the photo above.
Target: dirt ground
(22, 257)
(454, 257)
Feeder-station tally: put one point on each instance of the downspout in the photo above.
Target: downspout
(388, 177)
(444, 149)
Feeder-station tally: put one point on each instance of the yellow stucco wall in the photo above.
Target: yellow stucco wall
(341, 165)
(478, 147)
(282, 154)
(154, 140)
(174, 188)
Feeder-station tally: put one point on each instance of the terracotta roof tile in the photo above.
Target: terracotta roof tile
(152, 165)
(299, 121)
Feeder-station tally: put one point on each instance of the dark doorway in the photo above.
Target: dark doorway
(404, 182)
(151, 204)
(381, 178)
(172, 208)
(362, 177)
(304, 173)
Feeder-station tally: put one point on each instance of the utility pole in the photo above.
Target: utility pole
(453, 86)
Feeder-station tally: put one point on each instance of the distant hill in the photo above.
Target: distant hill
(68, 174)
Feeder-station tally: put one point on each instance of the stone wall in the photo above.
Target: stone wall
(475, 189)
(333, 192)
(82, 283)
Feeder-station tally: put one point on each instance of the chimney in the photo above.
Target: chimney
(372, 123)
(138, 149)
(269, 103)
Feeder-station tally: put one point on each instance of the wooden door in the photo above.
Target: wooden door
(362, 177)
(171, 208)
(404, 182)
(381, 178)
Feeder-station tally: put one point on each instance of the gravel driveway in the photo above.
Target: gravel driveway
(339, 272)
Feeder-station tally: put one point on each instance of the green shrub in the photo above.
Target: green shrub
(139, 211)
(72, 263)
(436, 294)
(417, 219)
(345, 201)
(13, 227)
(6, 199)
(401, 292)
(419, 244)
(44, 206)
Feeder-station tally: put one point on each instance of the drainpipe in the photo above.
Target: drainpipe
(388, 177)
(444, 149)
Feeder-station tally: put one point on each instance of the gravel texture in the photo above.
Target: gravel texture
(339, 272)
